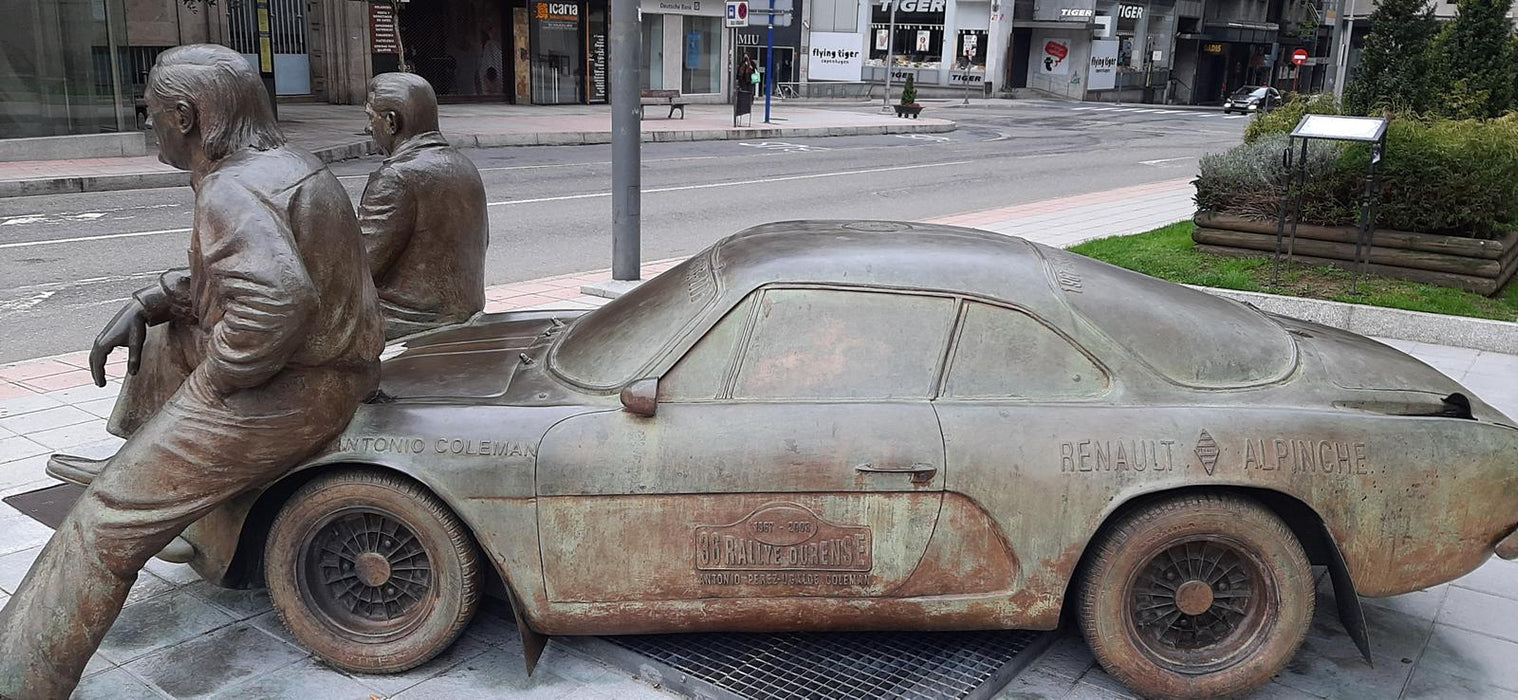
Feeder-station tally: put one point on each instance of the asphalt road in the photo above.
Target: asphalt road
(67, 262)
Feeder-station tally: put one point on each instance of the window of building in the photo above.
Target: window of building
(1006, 353)
(653, 52)
(701, 70)
(833, 344)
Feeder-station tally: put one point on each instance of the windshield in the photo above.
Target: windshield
(1250, 92)
(615, 344)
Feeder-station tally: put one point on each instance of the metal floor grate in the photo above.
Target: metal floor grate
(826, 666)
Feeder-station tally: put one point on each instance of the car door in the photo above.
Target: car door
(794, 452)
(1013, 386)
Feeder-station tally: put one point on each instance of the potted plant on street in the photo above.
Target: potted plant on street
(909, 106)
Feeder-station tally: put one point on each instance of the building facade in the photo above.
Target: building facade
(63, 68)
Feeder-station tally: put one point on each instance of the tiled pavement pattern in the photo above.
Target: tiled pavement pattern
(181, 638)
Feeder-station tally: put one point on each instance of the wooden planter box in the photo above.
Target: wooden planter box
(908, 110)
(1481, 266)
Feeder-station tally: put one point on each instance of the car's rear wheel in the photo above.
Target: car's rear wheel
(370, 571)
(1196, 597)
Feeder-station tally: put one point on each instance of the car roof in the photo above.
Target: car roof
(1190, 337)
(885, 254)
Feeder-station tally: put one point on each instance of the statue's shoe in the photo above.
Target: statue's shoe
(75, 469)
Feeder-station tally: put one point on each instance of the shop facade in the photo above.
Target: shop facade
(62, 69)
(520, 51)
(753, 42)
(686, 48)
(936, 42)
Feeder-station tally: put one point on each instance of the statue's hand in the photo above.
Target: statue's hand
(127, 329)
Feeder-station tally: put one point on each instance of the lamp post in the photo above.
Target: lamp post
(885, 100)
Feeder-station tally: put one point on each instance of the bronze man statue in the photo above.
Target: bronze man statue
(276, 321)
(423, 213)
(425, 228)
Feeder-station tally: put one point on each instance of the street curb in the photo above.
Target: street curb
(1376, 321)
(358, 149)
(147, 181)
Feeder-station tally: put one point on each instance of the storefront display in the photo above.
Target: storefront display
(684, 45)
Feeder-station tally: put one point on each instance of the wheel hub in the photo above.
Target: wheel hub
(368, 571)
(373, 569)
(1193, 597)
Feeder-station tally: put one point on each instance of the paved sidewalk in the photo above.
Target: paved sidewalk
(335, 132)
(181, 638)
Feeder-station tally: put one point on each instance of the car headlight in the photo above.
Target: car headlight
(1254, 105)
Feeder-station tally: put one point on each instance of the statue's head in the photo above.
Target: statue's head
(205, 99)
(400, 106)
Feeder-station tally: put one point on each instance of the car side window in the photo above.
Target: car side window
(844, 344)
(1001, 353)
(702, 373)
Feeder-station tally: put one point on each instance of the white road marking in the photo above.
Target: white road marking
(18, 305)
(711, 185)
(1081, 109)
(562, 198)
(102, 237)
(1165, 160)
(783, 146)
(1235, 116)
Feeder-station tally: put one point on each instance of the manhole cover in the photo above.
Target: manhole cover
(825, 666)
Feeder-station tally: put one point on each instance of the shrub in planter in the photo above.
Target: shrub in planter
(1444, 176)
(909, 93)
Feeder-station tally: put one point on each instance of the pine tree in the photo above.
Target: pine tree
(909, 92)
(1476, 51)
(1398, 64)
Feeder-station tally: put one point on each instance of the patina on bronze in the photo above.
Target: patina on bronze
(423, 213)
(875, 425)
(276, 320)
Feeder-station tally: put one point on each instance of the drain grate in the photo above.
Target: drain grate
(825, 666)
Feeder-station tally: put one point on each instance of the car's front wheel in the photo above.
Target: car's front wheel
(370, 571)
(1196, 597)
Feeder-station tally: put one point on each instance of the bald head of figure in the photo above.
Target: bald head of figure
(399, 106)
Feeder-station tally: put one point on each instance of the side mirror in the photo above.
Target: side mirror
(640, 398)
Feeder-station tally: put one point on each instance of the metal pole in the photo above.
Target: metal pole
(769, 64)
(626, 61)
(885, 100)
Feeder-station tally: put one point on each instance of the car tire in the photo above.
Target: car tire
(1197, 596)
(371, 572)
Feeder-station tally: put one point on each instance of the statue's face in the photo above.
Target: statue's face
(174, 123)
(382, 127)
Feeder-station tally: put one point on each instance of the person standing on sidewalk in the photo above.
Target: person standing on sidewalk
(423, 213)
(280, 330)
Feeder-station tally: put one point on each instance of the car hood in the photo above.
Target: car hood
(473, 360)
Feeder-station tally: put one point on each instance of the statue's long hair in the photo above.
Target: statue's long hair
(231, 105)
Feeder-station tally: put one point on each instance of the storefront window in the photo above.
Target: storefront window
(62, 65)
(919, 37)
(970, 53)
(653, 52)
(557, 58)
(459, 47)
(702, 65)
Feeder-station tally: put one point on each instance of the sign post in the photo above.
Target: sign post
(266, 52)
(1298, 59)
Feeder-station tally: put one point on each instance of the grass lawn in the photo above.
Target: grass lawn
(1168, 253)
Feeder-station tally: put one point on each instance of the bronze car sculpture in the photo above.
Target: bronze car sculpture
(876, 425)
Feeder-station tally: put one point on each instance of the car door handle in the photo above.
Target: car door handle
(921, 473)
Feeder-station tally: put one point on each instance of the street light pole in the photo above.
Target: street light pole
(885, 100)
(626, 165)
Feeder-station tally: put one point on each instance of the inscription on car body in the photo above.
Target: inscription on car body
(1090, 456)
(1326, 457)
(406, 445)
(781, 537)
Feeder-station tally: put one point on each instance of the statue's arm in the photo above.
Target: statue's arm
(267, 298)
(387, 216)
(169, 299)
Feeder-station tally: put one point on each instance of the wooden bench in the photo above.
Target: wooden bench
(672, 98)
